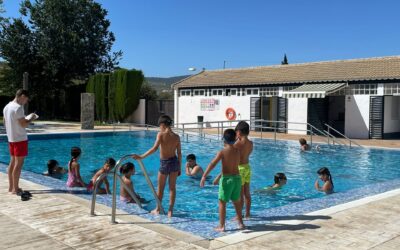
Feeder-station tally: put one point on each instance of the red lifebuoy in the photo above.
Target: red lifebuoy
(230, 114)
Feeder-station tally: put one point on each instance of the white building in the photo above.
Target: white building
(360, 97)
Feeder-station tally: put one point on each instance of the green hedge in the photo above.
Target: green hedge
(116, 94)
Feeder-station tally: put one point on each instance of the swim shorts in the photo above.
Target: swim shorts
(245, 173)
(230, 187)
(18, 149)
(169, 165)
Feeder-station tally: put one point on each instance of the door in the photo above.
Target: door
(376, 105)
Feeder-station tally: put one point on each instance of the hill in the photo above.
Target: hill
(163, 84)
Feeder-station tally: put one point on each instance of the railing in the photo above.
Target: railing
(116, 176)
(347, 138)
(220, 125)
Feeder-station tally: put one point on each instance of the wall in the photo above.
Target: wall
(189, 107)
(297, 112)
(391, 114)
(357, 116)
(139, 116)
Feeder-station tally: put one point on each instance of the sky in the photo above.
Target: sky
(166, 37)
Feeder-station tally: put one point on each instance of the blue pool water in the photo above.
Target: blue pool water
(351, 169)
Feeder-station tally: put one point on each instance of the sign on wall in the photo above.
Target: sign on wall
(209, 104)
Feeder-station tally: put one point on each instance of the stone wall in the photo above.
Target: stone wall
(87, 111)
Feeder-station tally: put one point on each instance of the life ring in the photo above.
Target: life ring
(230, 114)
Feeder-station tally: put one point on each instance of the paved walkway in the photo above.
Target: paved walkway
(62, 221)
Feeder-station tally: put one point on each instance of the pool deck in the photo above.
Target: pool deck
(61, 221)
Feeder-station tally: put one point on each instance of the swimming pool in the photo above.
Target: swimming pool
(351, 169)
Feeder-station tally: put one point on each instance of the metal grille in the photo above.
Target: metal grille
(376, 117)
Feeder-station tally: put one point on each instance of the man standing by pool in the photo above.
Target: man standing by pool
(15, 124)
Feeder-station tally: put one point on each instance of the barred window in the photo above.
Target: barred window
(252, 91)
(357, 89)
(217, 92)
(392, 88)
(185, 92)
(199, 92)
(269, 91)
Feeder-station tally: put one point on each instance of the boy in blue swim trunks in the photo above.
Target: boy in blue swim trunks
(230, 182)
(170, 161)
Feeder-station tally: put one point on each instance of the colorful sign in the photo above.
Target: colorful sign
(209, 104)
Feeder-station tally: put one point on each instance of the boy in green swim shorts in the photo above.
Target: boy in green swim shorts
(230, 182)
(245, 147)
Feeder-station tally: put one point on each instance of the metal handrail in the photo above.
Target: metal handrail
(350, 140)
(96, 186)
(220, 125)
(114, 198)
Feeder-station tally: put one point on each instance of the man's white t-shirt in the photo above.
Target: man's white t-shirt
(12, 112)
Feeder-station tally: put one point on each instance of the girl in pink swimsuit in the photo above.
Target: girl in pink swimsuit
(74, 176)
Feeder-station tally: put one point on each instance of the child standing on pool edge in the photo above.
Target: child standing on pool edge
(245, 147)
(230, 183)
(170, 161)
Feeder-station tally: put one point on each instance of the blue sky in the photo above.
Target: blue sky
(166, 37)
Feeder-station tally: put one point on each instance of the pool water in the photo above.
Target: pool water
(350, 169)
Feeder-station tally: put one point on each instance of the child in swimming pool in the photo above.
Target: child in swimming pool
(192, 168)
(74, 176)
(128, 169)
(280, 180)
(54, 169)
(170, 161)
(325, 175)
(108, 165)
(303, 145)
(230, 183)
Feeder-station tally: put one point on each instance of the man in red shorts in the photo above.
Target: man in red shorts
(15, 123)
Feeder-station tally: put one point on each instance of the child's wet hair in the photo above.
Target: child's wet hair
(243, 127)
(325, 171)
(278, 177)
(302, 141)
(110, 161)
(126, 168)
(75, 152)
(51, 165)
(166, 120)
(229, 136)
(191, 157)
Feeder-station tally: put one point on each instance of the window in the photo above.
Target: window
(233, 92)
(185, 92)
(216, 92)
(199, 92)
(392, 88)
(252, 91)
(357, 89)
(269, 91)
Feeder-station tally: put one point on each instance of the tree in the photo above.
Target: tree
(62, 40)
(285, 60)
(148, 92)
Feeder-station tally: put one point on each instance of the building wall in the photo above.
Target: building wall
(357, 116)
(189, 108)
(297, 112)
(391, 114)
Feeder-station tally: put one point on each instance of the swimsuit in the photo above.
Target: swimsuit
(230, 187)
(72, 178)
(169, 165)
(245, 172)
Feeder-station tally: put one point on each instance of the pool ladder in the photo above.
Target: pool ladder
(116, 176)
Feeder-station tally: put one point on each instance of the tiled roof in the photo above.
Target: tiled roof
(379, 68)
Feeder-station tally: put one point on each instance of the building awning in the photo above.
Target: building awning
(314, 90)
